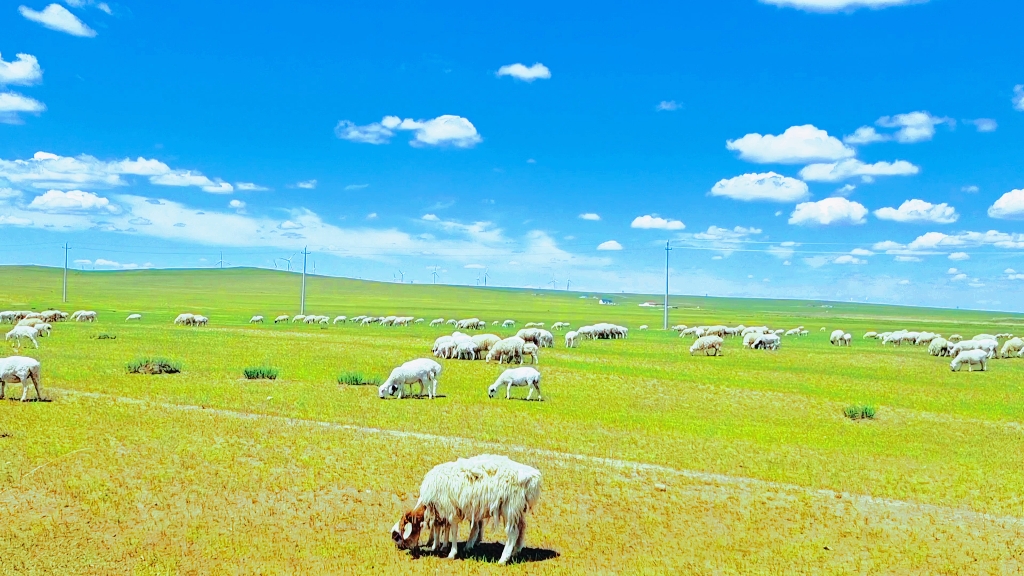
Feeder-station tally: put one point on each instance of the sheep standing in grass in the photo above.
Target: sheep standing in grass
(939, 347)
(847, 339)
(530, 350)
(298, 318)
(29, 322)
(707, 344)
(507, 351)
(422, 370)
(43, 328)
(836, 339)
(483, 344)
(870, 335)
(19, 332)
(955, 338)
(184, 319)
(571, 340)
(766, 342)
(466, 350)
(340, 319)
(642, 327)
(133, 317)
(23, 370)
(508, 324)
(517, 377)
(256, 320)
(1011, 347)
(972, 358)
(437, 321)
(281, 318)
(988, 346)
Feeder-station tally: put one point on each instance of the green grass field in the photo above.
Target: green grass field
(654, 461)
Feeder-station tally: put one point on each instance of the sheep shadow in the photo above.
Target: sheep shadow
(13, 398)
(490, 552)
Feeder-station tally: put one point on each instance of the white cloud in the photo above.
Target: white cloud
(356, 186)
(828, 211)
(237, 204)
(57, 17)
(783, 251)
(1018, 97)
(371, 216)
(903, 282)
(845, 190)
(192, 178)
(12, 104)
(985, 124)
(8, 194)
(865, 135)
(787, 263)
(1009, 206)
(848, 259)
(952, 271)
(907, 259)
(769, 187)
(653, 222)
(972, 189)
(590, 216)
(289, 225)
(104, 263)
(23, 71)
(430, 218)
(525, 73)
(14, 221)
(959, 277)
(919, 211)
(716, 233)
(306, 184)
(609, 245)
(838, 171)
(861, 252)
(932, 241)
(839, 5)
(958, 256)
(475, 266)
(443, 130)
(250, 187)
(668, 106)
(797, 145)
(71, 201)
(914, 126)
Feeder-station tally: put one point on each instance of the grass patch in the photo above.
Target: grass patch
(105, 336)
(358, 379)
(261, 373)
(859, 412)
(148, 365)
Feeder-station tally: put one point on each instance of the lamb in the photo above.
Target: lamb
(530, 350)
(642, 327)
(19, 332)
(341, 319)
(133, 317)
(836, 339)
(22, 369)
(971, 358)
(1011, 346)
(43, 328)
(437, 321)
(939, 347)
(707, 344)
(422, 370)
(570, 339)
(475, 489)
(509, 350)
(847, 338)
(281, 318)
(256, 320)
(525, 376)
(466, 350)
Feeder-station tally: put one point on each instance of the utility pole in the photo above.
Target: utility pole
(222, 260)
(667, 250)
(302, 300)
(66, 248)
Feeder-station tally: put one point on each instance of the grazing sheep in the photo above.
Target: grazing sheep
(559, 325)
(474, 489)
(29, 322)
(925, 337)
(22, 369)
(642, 327)
(419, 321)
(534, 325)
(678, 327)
(256, 320)
(766, 342)
(530, 350)
(437, 321)
(281, 318)
(341, 319)
(466, 350)
(422, 370)
(507, 351)
(524, 376)
(847, 338)
(43, 328)
(805, 332)
(508, 324)
(836, 339)
(298, 318)
(870, 335)
(570, 339)
(483, 344)
(707, 344)
(19, 332)
(955, 338)
(939, 347)
(1011, 346)
(133, 317)
(470, 324)
(984, 337)
(971, 358)
(750, 338)
(822, 329)
(452, 322)
(989, 346)
(792, 332)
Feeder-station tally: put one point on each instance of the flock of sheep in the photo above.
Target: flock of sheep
(974, 352)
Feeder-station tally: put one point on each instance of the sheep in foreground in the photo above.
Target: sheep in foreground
(707, 344)
(836, 339)
(19, 332)
(972, 358)
(43, 328)
(21, 369)
(518, 377)
(474, 489)
(847, 338)
(133, 317)
(256, 320)
(507, 351)
(989, 346)
(1011, 347)
(483, 344)
(422, 370)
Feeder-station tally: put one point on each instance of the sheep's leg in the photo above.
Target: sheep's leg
(475, 531)
(2, 386)
(24, 389)
(529, 394)
(508, 392)
(453, 535)
(512, 536)
(521, 539)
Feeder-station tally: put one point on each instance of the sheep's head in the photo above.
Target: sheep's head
(493, 389)
(388, 388)
(406, 532)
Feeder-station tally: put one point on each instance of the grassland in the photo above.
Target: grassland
(654, 461)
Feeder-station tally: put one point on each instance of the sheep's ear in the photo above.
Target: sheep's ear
(408, 531)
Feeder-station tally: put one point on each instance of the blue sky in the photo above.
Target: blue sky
(850, 150)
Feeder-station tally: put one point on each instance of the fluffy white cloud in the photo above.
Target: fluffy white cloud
(12, 104)
(865, 135)
(653, 222)
(828, 211)
(356, 186)
(57, 17)
(475, 266)
(849, 259)
(590, 216)
(236, 204)
(6, 220)
(970, 189)
(845, 190)
(797, 145)
(736, 234)
(933, 241)
(770, 187)
(919, 211)
(845, 169)
(24, 71)
(668, 106)
(861, 252)
(1018, 97)
(914, 126)
(958, 256)
(985, 124)
(525, 73)
(71, 201)
(250, 187)
(1008, 206)
(907, 259)
(192, 178)
(959, 277)
(839, 5)
(430, 218)
(443, 130)
(609, 245)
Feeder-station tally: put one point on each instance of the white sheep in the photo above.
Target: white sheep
(507, 351)
(570, 339)
(466, 350)
(989, 346)
(642, 327)
(847, 338)
(939, 347)
(870, 335)
(971, 358)
(836, 339)
(508, 324)
(955, 338)
(184, 319)
(133, 317)
(483, 344)
(281, 318)
(984, 337)
(766, 342)
(678, 327)
(256, 320)
(559, 325)
(19, 332)
(1011, 346)
(452, 322)
(707, 344)
(530, 349)
(21, 369)
(474, 489)
(200, 320)
(525, 376)
(43, 328)
(29, 322)
(340, 319)
(298, 318)
(437, 321)
(421, 370)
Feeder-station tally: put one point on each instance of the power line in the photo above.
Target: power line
(64, 297)
(302, 299)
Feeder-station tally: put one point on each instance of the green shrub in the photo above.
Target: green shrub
(858, 412)
(358, 379)
(261, 373)
(105, 336)
(148, 365)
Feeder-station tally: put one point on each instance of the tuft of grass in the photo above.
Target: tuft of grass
(150, 365)
(261, 373)
(358, 379)
(105, 336)
(859, 412)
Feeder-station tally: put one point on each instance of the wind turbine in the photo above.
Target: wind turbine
(434, 274)
(220, 263)
(568, 281)
(288, 260)
(401, 274)
(485, 276)
(554, 283)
